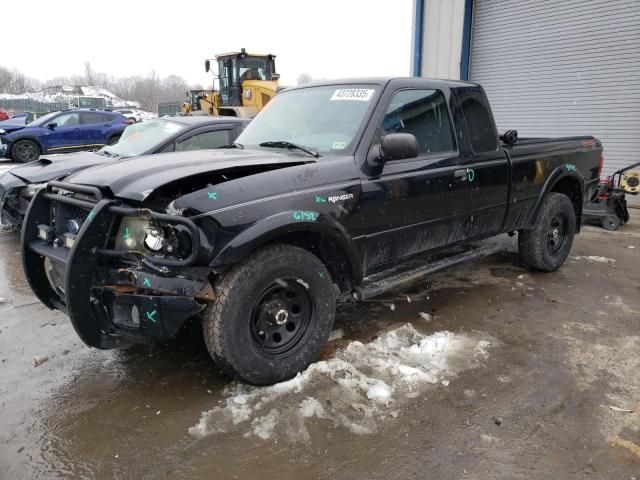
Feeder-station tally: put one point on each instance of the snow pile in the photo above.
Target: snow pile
(62, 93)
(595, 258)
(353, 390)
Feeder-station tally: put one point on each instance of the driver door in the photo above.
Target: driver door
(413, 205)
(67, 136)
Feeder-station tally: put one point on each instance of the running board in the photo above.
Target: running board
(380, 285)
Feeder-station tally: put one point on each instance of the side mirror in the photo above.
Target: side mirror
(207, 65)
(52, 125)
(275, 76)
(510, 137)
(397, 146)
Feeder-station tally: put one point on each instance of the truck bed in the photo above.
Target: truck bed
(531, 145)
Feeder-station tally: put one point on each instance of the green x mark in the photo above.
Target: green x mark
(126, 235)
(320, 199)
(212, 195)
(150, 316)
(146, 282)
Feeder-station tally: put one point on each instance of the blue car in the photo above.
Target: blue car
(62, 132)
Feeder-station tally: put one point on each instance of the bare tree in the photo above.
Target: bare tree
(88, 74)
(173, 87)
(304, 78)
(15, 82)
(5, 80)
(148, 91)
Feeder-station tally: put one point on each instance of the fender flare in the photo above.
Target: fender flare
(558, 174)
(283, 223)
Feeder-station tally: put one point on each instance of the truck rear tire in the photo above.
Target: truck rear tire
(547, 245)
(271, 316)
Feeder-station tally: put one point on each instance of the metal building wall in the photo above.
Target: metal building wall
(442, 24)
(562, 67)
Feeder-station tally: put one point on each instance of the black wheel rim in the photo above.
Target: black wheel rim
(281, 317)
(611, 223)
(25, 152)
(557, 234)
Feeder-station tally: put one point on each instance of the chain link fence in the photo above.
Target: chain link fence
(168, 108)
(27, 105)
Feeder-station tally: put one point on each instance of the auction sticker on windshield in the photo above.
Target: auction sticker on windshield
(359, 94)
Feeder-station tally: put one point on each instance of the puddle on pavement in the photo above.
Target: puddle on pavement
(91, 413)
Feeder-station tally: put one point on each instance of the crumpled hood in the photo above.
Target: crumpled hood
(10, 128)
(52, 167)
(136, 178)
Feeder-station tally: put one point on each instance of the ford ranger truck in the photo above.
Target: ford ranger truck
(337, 191)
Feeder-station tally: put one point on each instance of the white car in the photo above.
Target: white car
(136, 114)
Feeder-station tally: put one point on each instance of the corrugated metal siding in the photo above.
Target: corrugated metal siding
(442, 39)
(562, 67)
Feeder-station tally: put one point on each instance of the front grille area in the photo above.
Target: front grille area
(64, 213)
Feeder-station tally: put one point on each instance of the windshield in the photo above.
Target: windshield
(250, 68)
(325, 119)
(140, 138)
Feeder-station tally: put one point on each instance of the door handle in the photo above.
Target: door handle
(462, 174)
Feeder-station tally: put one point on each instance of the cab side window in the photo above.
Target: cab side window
(422, 113)
(201, 141)
(480, 126)
(67, 120)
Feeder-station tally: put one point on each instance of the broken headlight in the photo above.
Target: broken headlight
(132, 233)
(154, 239)
(142, 235)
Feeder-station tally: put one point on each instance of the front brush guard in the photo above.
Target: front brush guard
(87, 313)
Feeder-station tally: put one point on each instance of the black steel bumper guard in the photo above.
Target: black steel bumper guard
(103, 317)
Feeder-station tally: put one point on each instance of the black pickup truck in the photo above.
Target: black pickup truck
(337, 191)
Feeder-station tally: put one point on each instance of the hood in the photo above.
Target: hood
(10, 128)
(52, 167)
(136, 178)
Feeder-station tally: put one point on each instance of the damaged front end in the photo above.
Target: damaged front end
(121, 274)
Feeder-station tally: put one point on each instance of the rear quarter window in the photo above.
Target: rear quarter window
(480, 125)
(95, 117)
(204, 140)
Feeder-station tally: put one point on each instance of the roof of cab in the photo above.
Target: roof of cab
(383, 81)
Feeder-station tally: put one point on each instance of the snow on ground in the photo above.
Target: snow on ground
(62, 93)
(595, 258)
(360, 387)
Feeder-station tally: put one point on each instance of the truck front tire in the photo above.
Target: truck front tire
(271, 316)
(547, 245)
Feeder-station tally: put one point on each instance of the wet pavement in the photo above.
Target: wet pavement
(6, 165)
(538, 377)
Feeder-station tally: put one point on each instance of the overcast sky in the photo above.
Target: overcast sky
(327, 38)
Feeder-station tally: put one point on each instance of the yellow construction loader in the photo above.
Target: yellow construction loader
(247, 82)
